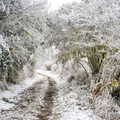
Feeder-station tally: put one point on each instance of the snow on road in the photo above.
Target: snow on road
(15, 89)
(46, 97)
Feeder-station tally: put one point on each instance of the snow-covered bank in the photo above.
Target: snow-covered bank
(72, 103)
(15, 89)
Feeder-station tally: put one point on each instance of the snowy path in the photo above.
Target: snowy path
(49, 99)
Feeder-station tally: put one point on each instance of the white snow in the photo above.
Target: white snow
(71, 105)
(15, 89)
(65, 106)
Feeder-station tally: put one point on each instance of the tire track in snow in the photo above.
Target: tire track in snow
(46, 112)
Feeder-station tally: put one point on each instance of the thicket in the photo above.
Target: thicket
(21, 27)
(89, 33)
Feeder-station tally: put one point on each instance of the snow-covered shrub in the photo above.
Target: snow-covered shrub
(62, 70)
(48, 66)
(116, 95)
(80, 74)
(106, 109)
(54, 68)
(66, 70)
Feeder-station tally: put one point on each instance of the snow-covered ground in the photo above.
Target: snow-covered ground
(71, 101)
(15, 89)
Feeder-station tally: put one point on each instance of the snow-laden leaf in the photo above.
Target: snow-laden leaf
(114, 83)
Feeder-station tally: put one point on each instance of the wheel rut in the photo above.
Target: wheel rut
(46, 111)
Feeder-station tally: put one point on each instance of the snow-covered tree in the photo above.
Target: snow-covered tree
(85, 29)
(20, 35)
(89, 29)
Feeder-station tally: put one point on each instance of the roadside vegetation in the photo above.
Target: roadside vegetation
(85, 34)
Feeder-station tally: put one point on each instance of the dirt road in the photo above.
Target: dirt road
(48, 100)
(34, 103)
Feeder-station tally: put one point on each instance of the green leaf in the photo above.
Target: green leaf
(111, 61)
(87, 34)
(76, 36)
(26, 34)
(104, 54)
(79, 28)
(115, 50)
(114, 83)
